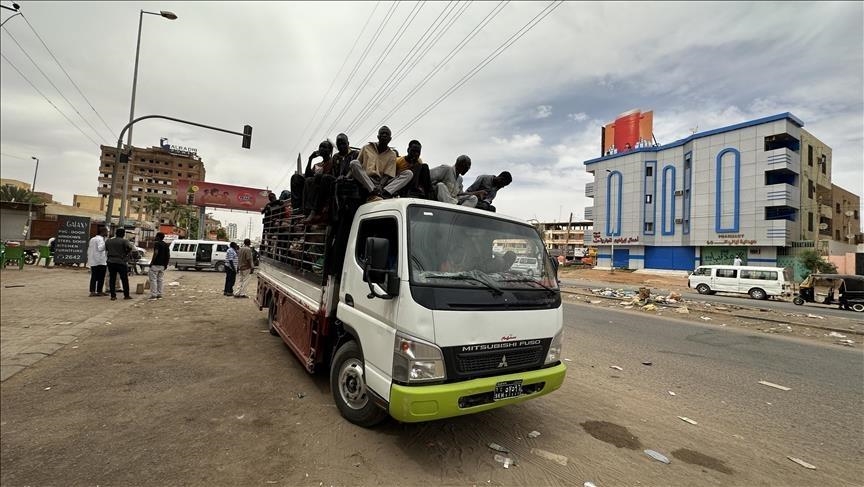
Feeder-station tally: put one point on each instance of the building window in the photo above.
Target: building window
(649, 171)
(810, 221)
(824, 162)
(781, 141)
(780, 213)
(809, 155)
(649, 227)
(649, 198)
(856, 214)
(838, 208)
(810, 189)
(837, 235)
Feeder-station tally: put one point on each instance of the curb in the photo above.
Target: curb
(722, 313)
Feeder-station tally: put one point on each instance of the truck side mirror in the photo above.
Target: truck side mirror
(376, 272)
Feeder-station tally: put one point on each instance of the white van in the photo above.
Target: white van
(758, 282)
(198, 254)
(528, 265)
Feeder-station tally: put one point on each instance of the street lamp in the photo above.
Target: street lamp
(170, 16)
(30, 200)
(13, 8)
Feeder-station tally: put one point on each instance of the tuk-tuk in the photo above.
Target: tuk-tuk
(846, 291)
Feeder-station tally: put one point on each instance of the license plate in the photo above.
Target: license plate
(510, 388)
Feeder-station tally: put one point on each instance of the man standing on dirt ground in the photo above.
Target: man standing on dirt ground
(231, 262)
(245, 267)
(97, 260)
(158, 264)
(118, 249)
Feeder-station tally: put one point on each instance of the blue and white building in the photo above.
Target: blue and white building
(700, 200)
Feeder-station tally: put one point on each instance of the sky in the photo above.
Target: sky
(535, 108)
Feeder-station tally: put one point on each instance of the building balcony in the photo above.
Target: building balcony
(782, 158)
(779, 231)
(780, 195)
(826, 212)
(589, 190)
(589, 213)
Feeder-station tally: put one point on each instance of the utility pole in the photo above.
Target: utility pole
(567, 237)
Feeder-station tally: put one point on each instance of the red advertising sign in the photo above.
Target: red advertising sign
(200, 193)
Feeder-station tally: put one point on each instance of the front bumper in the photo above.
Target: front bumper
(413, 404)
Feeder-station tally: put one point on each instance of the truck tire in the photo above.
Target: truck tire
(271, 314)
(858, 307)
(348, 385)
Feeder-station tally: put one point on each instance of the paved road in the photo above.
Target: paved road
(715, 373)
(156, 395)
(740, 300)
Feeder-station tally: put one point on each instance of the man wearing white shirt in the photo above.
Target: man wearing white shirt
(97, 259)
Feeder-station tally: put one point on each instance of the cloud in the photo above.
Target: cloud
(578, 117)
(519, 141)
(542, 111)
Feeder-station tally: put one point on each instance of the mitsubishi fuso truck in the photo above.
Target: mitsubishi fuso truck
(414, 307)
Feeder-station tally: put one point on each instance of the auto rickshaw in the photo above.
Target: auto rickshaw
(846, 291)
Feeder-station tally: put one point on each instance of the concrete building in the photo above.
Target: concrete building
(815, 188)
(563, 238)
(15, 183)
(86, 202)
(843, 228)
(154, 173)
(232, 231)
(704, 199)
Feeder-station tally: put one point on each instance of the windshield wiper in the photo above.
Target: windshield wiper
(534, 281)
(477, 276)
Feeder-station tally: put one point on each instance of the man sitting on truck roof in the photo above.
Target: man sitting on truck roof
(490, 185)
(316, 185)
(344, 155)
(447, 183)
(420, 185)
(375, 168)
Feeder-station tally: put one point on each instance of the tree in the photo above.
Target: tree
(221, 234)
(815, 263)
(16, 194)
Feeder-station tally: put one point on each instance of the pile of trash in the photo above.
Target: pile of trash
(641, 298)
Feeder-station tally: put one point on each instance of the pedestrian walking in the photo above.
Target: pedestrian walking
(245, 267)
(118, 249)
(737, 261)
(231, 262)
(158, 264)
(97, 260)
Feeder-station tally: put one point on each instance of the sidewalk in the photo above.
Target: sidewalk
(43, 310)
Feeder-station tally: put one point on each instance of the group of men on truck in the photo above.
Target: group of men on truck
(379, 172)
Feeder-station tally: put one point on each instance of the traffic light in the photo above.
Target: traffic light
(247, 136)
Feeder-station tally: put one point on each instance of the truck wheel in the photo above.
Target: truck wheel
(271, 316)
(220, 267)
(859, 307)
(797, 300)
(757, 293)
(703, 289)
(348, 385)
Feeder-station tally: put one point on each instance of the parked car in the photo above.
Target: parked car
(758, 282)
(528, 265)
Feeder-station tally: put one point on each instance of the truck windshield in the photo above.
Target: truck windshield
(456, 249)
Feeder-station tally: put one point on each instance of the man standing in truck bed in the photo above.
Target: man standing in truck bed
(244, 268)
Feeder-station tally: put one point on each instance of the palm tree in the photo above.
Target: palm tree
(154, 206)
(16, 194)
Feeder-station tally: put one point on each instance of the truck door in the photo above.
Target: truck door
(373, 318)
(204, 254)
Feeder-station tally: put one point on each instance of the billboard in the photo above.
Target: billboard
(630, 130)
(215, 195)
(73, 235)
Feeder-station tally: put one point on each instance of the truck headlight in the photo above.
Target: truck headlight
(554, 353)
(416, 361)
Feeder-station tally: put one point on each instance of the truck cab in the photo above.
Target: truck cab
(421, 316)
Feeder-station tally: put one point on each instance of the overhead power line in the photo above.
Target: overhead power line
(295, 146)
(110, 132)
(491, 57)
(409, 67)
(357, 65)
(443, 62)
(373, 66)
(390, 78)
(47, 99)
(44, 75)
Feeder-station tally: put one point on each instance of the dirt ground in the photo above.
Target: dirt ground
(192, 390)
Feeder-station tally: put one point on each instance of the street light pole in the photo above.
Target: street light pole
(30, 200)
(15, 7)
(170, 16)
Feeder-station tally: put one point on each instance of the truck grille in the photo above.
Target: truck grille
(499, 360)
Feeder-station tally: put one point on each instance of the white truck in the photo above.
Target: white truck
(414, 315)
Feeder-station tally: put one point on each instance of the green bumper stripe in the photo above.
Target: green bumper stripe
(412, 404)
